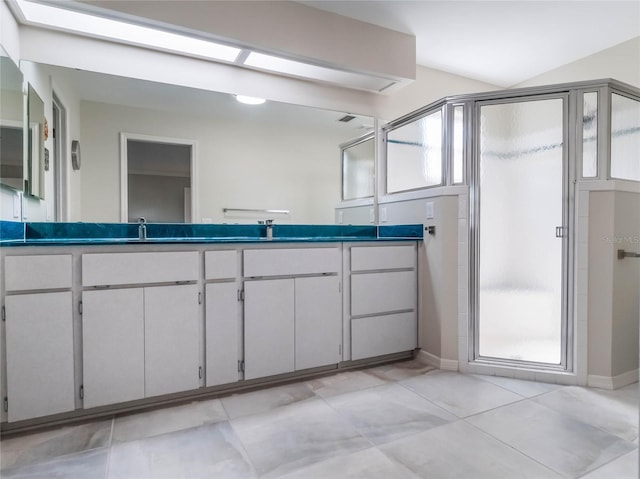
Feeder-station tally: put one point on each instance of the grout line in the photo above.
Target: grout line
(510, 446)
(106, 468)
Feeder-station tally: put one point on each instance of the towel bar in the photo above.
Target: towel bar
(626, 254)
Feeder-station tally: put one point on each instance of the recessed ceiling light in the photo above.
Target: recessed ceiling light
(250, 100)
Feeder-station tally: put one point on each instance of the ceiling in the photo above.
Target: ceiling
(499, 42)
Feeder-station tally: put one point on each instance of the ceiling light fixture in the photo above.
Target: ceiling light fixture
(315, 72)
(250, 100)
(91, 25)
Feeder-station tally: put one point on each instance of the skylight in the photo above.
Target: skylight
(91, 25)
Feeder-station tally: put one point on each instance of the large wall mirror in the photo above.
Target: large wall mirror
(35, 149)
(11, 124)
(273, 156)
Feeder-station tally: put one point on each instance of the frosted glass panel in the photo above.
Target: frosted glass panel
(414, 154)
(625, 138)
(458, 144)
(590, 135)
(358, 170)
(521, 204)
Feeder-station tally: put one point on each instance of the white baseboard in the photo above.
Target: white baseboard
(437, 362)
(613, 382)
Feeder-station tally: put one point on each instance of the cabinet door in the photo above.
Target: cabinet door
(222, 338)
(113, 346)
(318, 321)
(171, 339)
(39, 333)
(268, 327)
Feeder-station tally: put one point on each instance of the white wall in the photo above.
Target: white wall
(240, 163)
(621, 62)
(430, 85)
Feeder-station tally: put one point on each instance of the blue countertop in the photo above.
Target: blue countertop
(59, 234)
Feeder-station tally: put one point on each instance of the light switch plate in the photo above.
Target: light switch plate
(383, 215)
(430, 212)
(16, 205)
(340, 217)
(372, 215)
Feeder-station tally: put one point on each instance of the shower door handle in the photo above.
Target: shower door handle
(559, 231)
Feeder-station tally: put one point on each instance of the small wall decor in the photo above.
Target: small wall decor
(75, 154)
(46, 129)
(46, 159)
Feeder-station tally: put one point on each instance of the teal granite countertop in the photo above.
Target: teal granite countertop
(57, 234)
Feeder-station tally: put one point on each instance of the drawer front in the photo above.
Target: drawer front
(374, 293)
(284, 262)
(220, 264)
(379, 335)
(139, 268)
(372, 258)
(37, 272)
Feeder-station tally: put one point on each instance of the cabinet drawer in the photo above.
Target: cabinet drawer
(370, 258)
(37, 272)
(284, 262)
(135, 268)
(373, 293)
(379, 335)
(220, 264)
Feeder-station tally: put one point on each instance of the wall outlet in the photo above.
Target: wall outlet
(383, 215)
(207, 221)
(372, 215)
(430, 212)
(340, 217)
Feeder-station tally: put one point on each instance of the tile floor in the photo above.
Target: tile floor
(396, 421)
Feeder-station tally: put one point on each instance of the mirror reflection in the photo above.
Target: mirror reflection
(358, 164)
(273, 156)
(35, 151)
(11, 124)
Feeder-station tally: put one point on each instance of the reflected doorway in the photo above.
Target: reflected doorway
(57, 163)
(159, 179)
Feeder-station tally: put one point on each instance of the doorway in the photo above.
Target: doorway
(57, 163)
(157, 179)
(521, 234)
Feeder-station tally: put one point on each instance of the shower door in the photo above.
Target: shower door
(520, 233)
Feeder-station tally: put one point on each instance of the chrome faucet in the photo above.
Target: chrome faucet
(269, 224)
(142, 229)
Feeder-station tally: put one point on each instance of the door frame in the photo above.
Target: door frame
(124, 170)
(60, 166)
(567, 361)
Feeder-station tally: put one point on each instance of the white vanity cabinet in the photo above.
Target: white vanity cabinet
(269, 322)
(39, 336)
(318, 325)
(223, 316)
(113, 346)
(292, 312)
(139, 340)
(383, 300)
